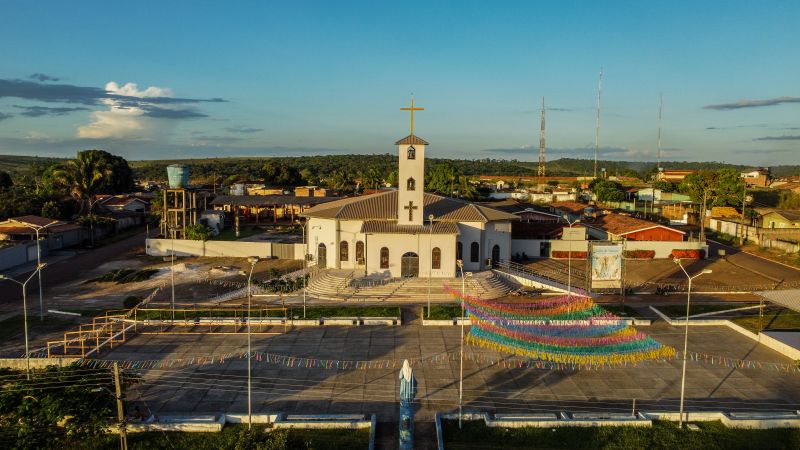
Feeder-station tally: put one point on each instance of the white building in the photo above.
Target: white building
(407, 232)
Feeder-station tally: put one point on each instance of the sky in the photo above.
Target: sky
(168, 80)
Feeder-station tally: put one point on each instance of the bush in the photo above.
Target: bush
(198, 232)
(558, 254)
(640, 254)
(687, 254)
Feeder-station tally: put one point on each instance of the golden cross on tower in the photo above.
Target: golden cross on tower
(412, 109)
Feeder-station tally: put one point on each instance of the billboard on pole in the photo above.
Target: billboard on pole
(606, 265)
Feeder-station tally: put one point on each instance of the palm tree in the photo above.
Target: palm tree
(341, 181)
(372, 178)
(83, 176)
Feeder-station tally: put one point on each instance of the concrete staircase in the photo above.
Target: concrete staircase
(340, 285)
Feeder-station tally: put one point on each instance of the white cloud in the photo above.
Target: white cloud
(124, 120)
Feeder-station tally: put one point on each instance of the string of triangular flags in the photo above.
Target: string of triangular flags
(483, 359)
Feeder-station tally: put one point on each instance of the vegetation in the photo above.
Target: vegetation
(14, 326)
(442, 312)
(662, 435)
(56, 408)
(353, 311)
(607, 190)
(775, 319)
(198, 232)
(621, 310)
(237, 437)
(279, 173)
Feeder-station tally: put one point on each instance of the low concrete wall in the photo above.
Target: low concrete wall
(36, 363)
(664, 249)
(184, 247)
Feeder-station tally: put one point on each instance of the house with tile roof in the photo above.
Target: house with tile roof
(407, 232)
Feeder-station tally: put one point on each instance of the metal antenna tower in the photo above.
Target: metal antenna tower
(660, 106)
(597, 121)
(542, 171)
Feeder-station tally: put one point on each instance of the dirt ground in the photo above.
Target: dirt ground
(196, 279)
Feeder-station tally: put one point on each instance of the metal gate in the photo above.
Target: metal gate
(409, 265)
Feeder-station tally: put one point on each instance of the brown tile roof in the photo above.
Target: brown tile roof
(383, 206)
(787, 214)
(391, 227)
(33, 220)
(619, 224)
(268, 200)
(572, 207)
(411, 140)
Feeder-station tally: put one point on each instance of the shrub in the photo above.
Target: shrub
(198, 232)
(640, 254)
(687, 254)
(559, 254)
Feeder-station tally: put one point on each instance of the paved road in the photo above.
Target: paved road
(66, 270)
(757, 264)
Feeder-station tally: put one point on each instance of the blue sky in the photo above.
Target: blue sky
(291, 78)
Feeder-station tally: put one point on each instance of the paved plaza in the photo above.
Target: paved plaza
(221, 386)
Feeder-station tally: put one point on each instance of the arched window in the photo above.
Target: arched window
(436, 258)
(384, 258)
(459, 251)
(412, 153)
(410, 184)
(495, 253)
(343, 253)
(360, 252)
(474, 252)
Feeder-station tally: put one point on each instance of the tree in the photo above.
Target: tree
(341, 181)
(372, 179)
(120, 177)
(51, 210)
(665, 186)
(84, 176)
(280, 174)
(198, 232)
(607, 191)
(466, 189)
(5, 181)
(391, 179)
(722, 187)
(442, 179)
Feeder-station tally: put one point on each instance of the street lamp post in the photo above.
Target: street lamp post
(91, 221)
(569, 255)
(37, 229)
(686, 333)
(24, 285)
(461, 368)
(252, 260)
(430, 261)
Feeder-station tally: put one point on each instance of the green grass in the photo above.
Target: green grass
(442, 312)
(235, 437)
(230, 234)
(14, 326)
(774, 319)
(620, 310)
(345, 311)
(662, 435)
(680, 310)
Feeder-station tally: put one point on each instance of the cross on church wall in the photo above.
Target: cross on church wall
(410, 209)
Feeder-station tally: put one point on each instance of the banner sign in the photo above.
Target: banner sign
(606, 264)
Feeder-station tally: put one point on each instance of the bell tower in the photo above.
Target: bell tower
(411, 175)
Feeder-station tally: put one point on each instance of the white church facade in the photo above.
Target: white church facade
(407, 232)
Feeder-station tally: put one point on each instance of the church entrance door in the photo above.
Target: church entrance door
(409, 265)
(322, 256)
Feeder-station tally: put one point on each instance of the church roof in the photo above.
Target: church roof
(411, 140)
(391, 227)
(383, 206)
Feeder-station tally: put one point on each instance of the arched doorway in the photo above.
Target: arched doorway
(409, 265)
(495, 253)
(322, 256)
(360, 253)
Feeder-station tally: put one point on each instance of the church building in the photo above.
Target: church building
(407, 232)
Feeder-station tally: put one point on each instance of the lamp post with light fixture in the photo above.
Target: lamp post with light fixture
(24, 285)
(686, 333)
(37, 229)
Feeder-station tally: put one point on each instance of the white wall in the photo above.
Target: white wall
(184, 247)
(323, 231)
(398, 245)
(497, 233)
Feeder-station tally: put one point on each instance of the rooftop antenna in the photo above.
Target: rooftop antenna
(597, 121)
(541, 172)
(660, 106)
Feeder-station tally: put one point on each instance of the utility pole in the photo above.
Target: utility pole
(597, 121)
(660, 106)
(123, 435)
(541, 170)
